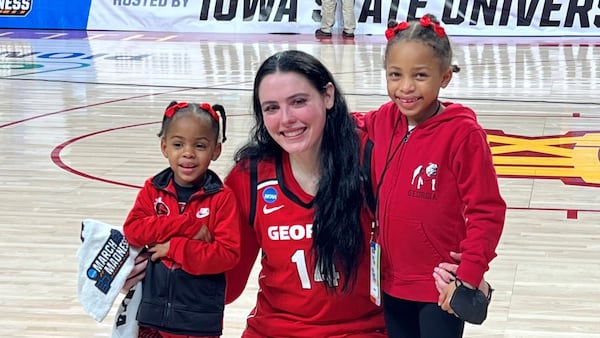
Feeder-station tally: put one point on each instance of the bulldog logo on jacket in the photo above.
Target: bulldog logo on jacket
(424, 179)
(420, 175)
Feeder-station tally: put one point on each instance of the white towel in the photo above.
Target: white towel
(105, 261)
(126, 326)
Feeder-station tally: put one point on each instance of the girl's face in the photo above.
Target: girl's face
(294, 111)
(190, 145)
(414, 78)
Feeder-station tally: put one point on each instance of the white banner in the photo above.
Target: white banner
(459, 17)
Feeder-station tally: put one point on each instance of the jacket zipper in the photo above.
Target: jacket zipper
(168, 308)
(406, 136)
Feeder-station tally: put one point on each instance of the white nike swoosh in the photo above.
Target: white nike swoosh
(267, 210)
(201, 213)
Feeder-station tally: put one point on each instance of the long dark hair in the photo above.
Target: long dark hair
(338, 238)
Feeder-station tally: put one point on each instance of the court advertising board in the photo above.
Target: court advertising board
(460, 17)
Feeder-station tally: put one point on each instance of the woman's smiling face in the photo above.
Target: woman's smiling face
(294, 111)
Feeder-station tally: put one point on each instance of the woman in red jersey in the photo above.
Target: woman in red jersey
(298, 183)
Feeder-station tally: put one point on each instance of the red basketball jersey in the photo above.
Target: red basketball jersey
(292, 300)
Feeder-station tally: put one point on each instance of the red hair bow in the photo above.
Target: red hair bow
(210, 110)
(169, 112)
(390, 32)
(425, 21)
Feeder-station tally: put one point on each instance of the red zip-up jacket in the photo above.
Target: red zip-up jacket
(438, 192)
(184, 292)
(155, 218)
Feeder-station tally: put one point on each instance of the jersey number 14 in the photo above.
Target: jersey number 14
(299, 258)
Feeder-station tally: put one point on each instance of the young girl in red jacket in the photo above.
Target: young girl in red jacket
(190, 223)
(436, 185)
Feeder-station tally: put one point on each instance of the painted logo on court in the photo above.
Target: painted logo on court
(573, 158)
(15, 7)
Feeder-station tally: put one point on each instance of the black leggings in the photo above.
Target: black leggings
(408, 319)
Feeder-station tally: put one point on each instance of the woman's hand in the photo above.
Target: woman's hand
(138, 272)
(445, 273)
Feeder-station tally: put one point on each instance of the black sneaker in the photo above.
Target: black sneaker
(347, 35)
(319, 34)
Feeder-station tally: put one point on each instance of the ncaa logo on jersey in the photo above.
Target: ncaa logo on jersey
(15, 7)
(269, 195)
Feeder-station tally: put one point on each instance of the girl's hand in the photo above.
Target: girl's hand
(204, 235)
(159, 251)
(484, 286)
(444, 276)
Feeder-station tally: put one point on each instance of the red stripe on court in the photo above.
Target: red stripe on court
(87, 106)
(571, 214)
(55, 156)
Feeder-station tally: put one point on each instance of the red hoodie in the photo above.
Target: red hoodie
(438, 192)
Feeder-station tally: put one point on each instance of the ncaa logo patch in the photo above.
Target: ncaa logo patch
(15, 7)
(269, 195)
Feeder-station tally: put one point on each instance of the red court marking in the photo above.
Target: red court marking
(56, 159)
(571, 213)
(55, 156)
(87, 106)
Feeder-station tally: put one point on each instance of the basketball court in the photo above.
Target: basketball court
(81, 110)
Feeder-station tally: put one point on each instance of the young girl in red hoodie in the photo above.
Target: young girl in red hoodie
(436, 185)
(190, 223)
